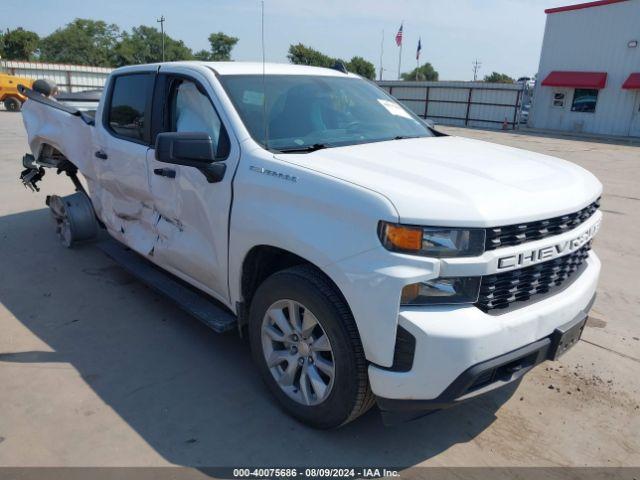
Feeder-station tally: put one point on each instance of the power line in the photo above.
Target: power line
(476, 68)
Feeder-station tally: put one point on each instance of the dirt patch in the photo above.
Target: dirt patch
(578, 382)
(596, 322)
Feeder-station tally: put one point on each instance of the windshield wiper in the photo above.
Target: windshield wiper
(404, 137)
(307, 149)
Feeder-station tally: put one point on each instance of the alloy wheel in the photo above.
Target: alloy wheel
(298, 352)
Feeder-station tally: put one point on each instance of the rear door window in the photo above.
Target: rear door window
(128, 115)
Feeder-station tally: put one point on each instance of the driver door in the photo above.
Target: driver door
(191, 213)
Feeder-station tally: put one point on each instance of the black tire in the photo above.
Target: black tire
(351, 395)
(12, 104)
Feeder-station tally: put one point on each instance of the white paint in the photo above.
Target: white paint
(459, 182)
(590, 40)
(454, 338)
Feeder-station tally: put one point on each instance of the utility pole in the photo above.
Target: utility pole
(476, 67)
(161, 22)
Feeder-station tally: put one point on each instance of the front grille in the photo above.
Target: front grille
(526, 232)
(503, 289)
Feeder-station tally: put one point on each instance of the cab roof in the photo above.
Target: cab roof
(253, 68)
(256, 68)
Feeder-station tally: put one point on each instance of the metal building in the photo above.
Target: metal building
(69, 78)
(589, 74)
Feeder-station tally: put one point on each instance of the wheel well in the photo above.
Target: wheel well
(50, 156)
(263, 261)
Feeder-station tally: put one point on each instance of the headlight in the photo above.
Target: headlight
(442, 291)
(432, 241)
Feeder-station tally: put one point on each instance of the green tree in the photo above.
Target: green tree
(362, 67)
(83, 42)
(303, 55)
(221, 46)
(144, 45)
(18, 44)
(204, 55)
(496, 77)
(423, 73)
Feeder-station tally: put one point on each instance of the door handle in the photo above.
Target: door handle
(101, 155)
(165, 172)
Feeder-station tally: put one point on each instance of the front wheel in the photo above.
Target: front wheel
(306, 345)
(12, 104)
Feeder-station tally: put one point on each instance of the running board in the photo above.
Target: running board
(204, 308)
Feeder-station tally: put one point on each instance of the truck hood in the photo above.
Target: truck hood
(453, 181)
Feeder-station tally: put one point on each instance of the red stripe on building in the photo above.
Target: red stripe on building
(576, 79)
(582, 6)
(633, 82)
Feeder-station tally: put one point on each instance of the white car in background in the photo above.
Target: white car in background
(524, 113)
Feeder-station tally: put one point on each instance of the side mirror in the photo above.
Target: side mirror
(191, 149)
(185, 148)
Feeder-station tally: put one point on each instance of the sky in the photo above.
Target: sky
(504, 35)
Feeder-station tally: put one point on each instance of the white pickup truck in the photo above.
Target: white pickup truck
(367, 257)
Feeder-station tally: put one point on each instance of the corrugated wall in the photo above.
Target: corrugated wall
(473, 104)
(591, 39)
(70, 78)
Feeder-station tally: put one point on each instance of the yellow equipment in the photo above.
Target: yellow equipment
(9, 94)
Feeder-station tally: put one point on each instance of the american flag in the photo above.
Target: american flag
(419, 49)
(399, 37)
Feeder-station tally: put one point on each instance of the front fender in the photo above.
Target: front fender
(317, 217)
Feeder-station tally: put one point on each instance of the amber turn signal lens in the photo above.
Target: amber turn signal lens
(410, 293)
(403, 238)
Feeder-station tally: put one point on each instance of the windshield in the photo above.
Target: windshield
(309, 112)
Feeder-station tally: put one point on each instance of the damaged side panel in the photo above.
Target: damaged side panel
(179, 222)
(46, 127)
(117, 186)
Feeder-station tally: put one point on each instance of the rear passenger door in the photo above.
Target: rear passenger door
(122, 141)
(193, 214)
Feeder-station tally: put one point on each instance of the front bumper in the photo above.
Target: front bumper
(455, 345)
(485, 376)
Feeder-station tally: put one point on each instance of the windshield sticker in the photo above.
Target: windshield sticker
(253, 98)
(394, 108)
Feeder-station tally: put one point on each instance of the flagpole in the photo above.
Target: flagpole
(418, 51)
(400, 53)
